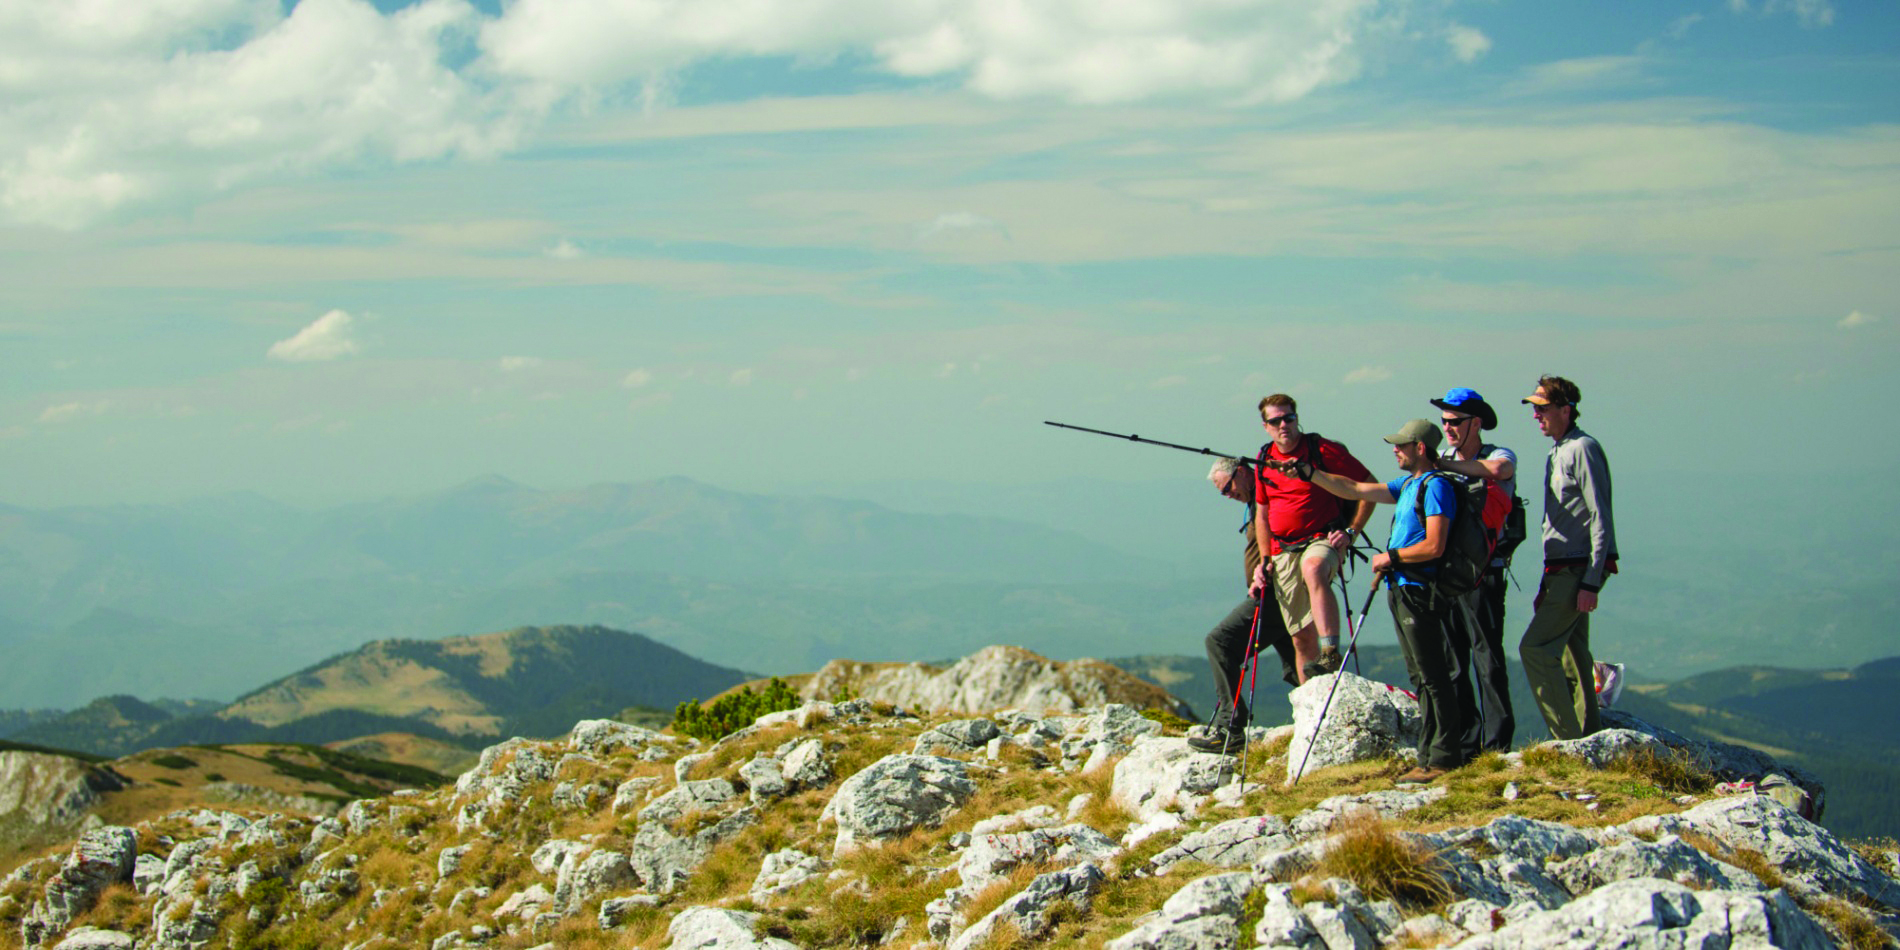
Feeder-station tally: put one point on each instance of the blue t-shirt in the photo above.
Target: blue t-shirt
(1406, 528)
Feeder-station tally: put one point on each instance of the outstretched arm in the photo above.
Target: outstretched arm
(1497, 469)
(1346, 488)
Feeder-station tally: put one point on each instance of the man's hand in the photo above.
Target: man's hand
(1382, 562)
(1338, 540)
(1586, 601)
(1259, 585)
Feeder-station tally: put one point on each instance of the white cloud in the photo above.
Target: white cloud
(1368, 374)
(565, 250)
(326, 338)
(1467, 43)
(741, 377)
(1168, 382)
(114, 102)
(958, 221)
(1811, 13)
(1078, 50)
(637, 379)
(72, 410)
(1856, 319)
(515, 364)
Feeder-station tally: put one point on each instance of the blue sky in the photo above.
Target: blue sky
(333, 250)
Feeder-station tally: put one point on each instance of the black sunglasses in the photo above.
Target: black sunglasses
(1449, 422)
(1277, 420)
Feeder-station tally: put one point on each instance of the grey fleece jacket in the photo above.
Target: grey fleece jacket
(1577, 520)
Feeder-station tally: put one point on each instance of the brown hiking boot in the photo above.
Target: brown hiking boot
(1329, 662)
(1423, 775)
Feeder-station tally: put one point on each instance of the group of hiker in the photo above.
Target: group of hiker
(1456, 520)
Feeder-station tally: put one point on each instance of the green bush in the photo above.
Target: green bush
(174, 762)
(733, 711)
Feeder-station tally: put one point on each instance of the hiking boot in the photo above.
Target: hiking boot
(1329, 662)
(1423, 775)
(1219, 741)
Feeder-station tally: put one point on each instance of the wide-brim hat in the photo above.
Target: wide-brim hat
(1470, 403)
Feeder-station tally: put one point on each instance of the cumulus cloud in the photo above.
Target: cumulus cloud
(1467, 43)
(114, 102)
(329, 337)
(1856, 319)
(1368, 374)
(637, 379)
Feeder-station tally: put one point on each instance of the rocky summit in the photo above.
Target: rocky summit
(863, 823)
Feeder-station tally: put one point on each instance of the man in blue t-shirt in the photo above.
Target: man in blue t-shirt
(1433, 645)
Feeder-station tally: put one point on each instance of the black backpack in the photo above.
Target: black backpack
(1483, 511)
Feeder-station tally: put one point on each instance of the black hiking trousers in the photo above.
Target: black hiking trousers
(1435, 651)
(1227, 654)
(1484, 617)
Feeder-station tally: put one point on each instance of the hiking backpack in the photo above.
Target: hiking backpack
(1309, 447)
(1483, 509)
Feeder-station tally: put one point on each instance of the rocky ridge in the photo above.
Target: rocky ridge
(997, 677)
(861, 823)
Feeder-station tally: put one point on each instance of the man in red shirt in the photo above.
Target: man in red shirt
(1305, 530)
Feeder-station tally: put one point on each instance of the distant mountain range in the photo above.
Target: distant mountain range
(209, 597)
(467, 691)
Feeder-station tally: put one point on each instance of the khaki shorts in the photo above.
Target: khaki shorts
(1289, 583)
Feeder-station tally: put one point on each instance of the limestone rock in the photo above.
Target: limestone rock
(805, 765)
(40, 789)
(663, 858)
(603, 737)
(614, 911)
(1204, 915)
(958, 737)
(1810, 858)
(1162, 773)
(783, 870)
(1366, 720)
(1669, 857)
(1663, 914)
(1233, 843)
(501, 777)
(1726, 761)
(1035, 816)
(449, 861)
(1110, 732)
(894, 795)
(1028, 910)
(718, 928)
(997, 677)
(92, 938)
(992, 857)
(100, 858)
(633, 791)
(1282, 923)
(1385, 803)
(584, 882)
(525, 903)
(1603, 747)
(704, 795)
(765, 778)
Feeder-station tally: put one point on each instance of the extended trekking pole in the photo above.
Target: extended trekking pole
(1252, 663)
(1243, 459)
(1351, 648)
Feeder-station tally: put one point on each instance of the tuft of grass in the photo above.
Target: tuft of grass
(1385, 866)
(1668, 770)
(1172, 724)
(1857, 930)
(174, 761)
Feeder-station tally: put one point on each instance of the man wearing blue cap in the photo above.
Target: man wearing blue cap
(1466, 455)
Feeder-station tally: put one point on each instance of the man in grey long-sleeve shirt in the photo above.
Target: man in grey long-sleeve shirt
(1579, 555)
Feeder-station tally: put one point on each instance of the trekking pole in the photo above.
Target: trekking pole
(1243, 459)
(1351, 648)
(1252, 662)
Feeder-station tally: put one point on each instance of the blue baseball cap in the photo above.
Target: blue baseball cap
(1470, 403)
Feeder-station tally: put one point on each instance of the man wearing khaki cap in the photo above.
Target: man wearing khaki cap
(1579, 555)
(1434, 646)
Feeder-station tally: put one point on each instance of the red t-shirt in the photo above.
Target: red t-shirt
(1298, 509)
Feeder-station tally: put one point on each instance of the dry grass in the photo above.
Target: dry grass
(881, 886)
(1366, 852)
(1856, 929)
